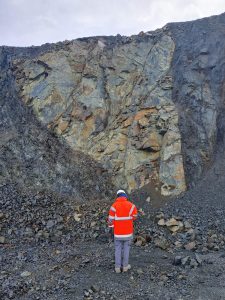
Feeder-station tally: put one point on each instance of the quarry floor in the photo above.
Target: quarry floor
(80, 267)
(85, 271)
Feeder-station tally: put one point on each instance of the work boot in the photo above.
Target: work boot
(125, 269)
(117, 270)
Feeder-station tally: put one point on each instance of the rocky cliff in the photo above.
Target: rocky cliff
(148, 109)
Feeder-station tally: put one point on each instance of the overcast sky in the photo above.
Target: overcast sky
(34, 22)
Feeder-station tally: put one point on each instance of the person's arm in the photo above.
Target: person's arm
(111, 216)
(134, 213)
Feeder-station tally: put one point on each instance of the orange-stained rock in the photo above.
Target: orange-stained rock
(62, 126)
(144, 122)
(116, 107)
(142, 113)
(153, 142)
(128, 122)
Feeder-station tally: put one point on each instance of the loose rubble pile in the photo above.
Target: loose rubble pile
(176, 233)
(43, 218)
(54, 247)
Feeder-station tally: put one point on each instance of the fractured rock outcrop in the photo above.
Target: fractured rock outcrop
(148, 108)
(113, 103)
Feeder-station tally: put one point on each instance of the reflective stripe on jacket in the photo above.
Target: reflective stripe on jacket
(121, 216)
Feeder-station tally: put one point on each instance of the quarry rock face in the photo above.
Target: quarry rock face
(112, 103)
(147, 108)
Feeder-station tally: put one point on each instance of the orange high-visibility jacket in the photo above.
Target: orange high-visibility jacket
(121, 216)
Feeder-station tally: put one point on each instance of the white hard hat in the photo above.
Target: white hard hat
(120, 192)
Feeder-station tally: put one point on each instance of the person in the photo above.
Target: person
(122, 213)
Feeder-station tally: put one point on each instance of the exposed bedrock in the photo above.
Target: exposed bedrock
(148, 108)
(113, 103)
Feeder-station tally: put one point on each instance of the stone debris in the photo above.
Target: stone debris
(25, 274)
(172, 222)
(161, 222)
(190, 246)
(177, 260)
(77, 217)
(192, 262)
(2, 239)
(148, 199)
(162, 243)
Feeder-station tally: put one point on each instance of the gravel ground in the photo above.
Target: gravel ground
(85, 270)
(61, 249)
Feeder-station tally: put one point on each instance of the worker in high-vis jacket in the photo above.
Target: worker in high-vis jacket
(122, 213)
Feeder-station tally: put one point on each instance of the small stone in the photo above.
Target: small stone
(181, 276)
(77, 217)
(190, 231)
(174, 228)
(140, 271)
(172, 222)
(181, 225)
(178, 244)
(140, 241)
(187, 225)
(93, 224)
(50, 224)
(25, 274)
(2, 240)
(160, 216)
(162, 243)
(193, 263)
(204, 250)
(198, 259)
(46, 234)
(90, 291)
(164, 277)
(190, 246)
(185, 260)
(148, 238)
(177, 260)
(210, 246)
(28, 231)
(161, 222)
(95, 288)
(148, 199)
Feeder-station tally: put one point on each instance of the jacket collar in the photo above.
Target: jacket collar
(121, 199)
